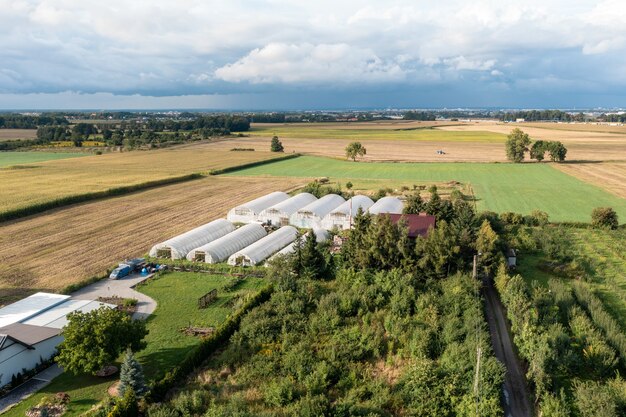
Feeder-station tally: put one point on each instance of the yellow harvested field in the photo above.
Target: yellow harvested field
(49, 251)
(15, 134)
(608, 175)
(374, 125)
(44, 181)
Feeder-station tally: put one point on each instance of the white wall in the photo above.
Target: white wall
(17, 357)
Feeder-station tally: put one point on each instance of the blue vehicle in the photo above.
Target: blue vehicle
(121, 271)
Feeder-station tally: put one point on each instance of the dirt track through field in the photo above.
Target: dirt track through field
(516, 398)
(49, 251)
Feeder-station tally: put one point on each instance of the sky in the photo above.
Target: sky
(284, 55)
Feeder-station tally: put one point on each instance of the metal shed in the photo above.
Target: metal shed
(342, 216)
(311, 215)
(264, 248)
(178, 247)
(279, 213)
(248, 212)
(220, 249)
(390, 205)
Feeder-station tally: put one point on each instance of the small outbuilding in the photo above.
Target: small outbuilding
(387, 205)
(511, 258)
(249, 212)
(178, 247)
(220, 249)
(342, 216)
(262, 249)
(417, 224)
(278, 215)
(311, 215)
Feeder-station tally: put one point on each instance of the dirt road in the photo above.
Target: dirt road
(516, 395)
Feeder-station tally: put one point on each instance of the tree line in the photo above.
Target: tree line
(518, 142)
(18, 121)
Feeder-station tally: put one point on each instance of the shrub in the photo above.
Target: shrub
(604, 218)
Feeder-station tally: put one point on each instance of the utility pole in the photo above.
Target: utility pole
(475, 267)
(479, 352)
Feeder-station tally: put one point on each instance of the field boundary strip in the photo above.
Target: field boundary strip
(127, 189)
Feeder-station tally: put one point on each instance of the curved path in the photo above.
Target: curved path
(123, 288)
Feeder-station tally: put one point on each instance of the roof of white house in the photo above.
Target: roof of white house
(26, 334)
(56, 317)
(29, 307)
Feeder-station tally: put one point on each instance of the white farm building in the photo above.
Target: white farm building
(389, 205)
(278, 214)
(264, 248)
(321, 235)
(311, 215)
(220, 249)
(249, 212)
(30, 330)
(178, 247)
(342, 216)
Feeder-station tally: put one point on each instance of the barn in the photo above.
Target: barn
(321, 235)
(264, 248)
(178, 247)
(249, 212)
(220, 249)
(387, 205)
(311, 215)
(30, 330)
(417, 224)
(342, 216)
(278, 214)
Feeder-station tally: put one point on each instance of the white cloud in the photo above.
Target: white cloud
(308, 63)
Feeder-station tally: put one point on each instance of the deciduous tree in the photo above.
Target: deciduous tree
(354, 150)
(516, 145)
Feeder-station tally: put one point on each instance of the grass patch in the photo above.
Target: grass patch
(16, 158)
(518, 188)
(416, 134)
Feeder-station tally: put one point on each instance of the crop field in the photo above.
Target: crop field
(499, 187)
(16, 134)
(45, 181)
(51, 250)
(8, 159)
(609, 175)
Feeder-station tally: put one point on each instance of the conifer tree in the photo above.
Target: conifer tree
(313, 262)
(131, 376)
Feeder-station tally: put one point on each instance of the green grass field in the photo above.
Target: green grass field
(18, 158)
(423, 134)
(518, 188)
(177, 296)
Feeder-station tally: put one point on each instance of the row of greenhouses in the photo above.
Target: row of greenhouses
(251, 244)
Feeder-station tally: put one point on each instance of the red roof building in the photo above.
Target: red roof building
(418, 224)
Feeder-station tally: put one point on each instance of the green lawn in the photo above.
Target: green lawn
(177, 296)
(518, 188)
(18, 158)
(422, 134)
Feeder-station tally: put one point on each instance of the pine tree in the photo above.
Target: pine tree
(414, 204)
(276, 146)
(487, 246)
(313, 262)
(131, 376)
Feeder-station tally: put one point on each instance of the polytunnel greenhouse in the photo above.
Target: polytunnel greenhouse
(248, 212)
(219, 250)
(310, 216)
(321, 235)
(342, 216)
(390, 205)
(264, 248)
(178, 247)
(278, 215)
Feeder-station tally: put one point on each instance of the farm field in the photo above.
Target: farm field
(167, 346)
(60, 247)
(16, 134)
(608, 175)
(67, 177)
(19, 158)
(499, 187)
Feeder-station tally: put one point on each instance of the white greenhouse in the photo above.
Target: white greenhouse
(264, 248)
(219, 250)
(279, 213)
(249, 212)
(321, 235)
(342, 216)
(178, 247)
(389, 205)
(310, 216)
